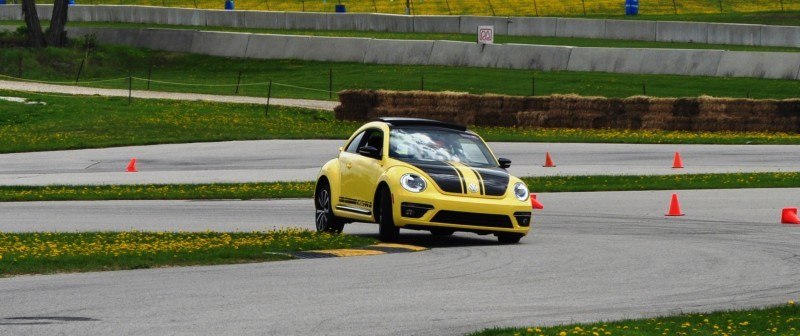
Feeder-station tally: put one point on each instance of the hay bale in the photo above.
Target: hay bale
(635, 108)
(659, 113)
(532, 118)
(537, 103)
(513, 104)
(355, 104)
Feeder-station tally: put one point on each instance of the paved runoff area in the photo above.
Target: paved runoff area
(288, 160)
(590, 256)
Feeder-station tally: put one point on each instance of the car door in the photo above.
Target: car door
(359, 173)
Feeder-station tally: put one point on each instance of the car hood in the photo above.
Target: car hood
(459, 178)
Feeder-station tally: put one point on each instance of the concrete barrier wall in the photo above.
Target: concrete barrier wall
(399, 52)
(436, 24)
(672, 61)
(451, 53)
(606, 60)
(696, 32)
(663, 31)
(630, 30)
(533, 26)
(580, 28)
(739, 34)
(759, 64)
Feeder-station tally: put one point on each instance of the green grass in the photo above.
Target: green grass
(487, 7)
(51, 252)
(217, 75)
(778, 18)
(75, 122)
(158, 192)
(70, 122)
(663, 182)
(306, 189)
(561, 41)
(777, 320)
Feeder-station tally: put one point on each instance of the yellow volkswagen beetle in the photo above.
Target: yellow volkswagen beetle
(424, 175)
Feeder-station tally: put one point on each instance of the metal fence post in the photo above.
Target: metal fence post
(149, 75)
(80, 69)
(269, 95)
(238, 81)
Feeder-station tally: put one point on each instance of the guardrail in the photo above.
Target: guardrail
(662, 31)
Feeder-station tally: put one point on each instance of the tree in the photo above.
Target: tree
(35, 37)
(56, 34)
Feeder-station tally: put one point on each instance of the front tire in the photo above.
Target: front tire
(325, 220)
(387, 232)
(442, 232)
(508, 238)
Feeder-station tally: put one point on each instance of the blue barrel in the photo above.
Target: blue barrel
(631, 7)
(340, 8)
(2, 2)
(228, 4)
(71, 2)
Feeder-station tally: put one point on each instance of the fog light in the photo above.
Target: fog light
(414, 210)
(523, 218)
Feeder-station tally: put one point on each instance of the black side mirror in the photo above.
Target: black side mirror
(370, 152)
(504, 163)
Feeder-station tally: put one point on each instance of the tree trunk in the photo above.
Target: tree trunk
(56, 36)
(35, 36)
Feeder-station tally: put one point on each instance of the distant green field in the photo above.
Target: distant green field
(486, 7)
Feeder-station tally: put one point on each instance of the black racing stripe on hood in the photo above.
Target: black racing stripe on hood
(495, 180)
(461, 177)
(445, 176)
(480, 179)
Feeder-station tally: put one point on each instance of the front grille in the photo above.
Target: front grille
(471, 218)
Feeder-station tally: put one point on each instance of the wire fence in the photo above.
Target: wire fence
(481, 7)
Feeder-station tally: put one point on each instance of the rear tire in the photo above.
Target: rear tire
(387, 232)
(325, 220)
(508, 238)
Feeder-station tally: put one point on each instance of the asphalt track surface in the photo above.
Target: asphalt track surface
(286, 160)
(591, 256)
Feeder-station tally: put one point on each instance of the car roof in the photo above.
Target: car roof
(397, 121)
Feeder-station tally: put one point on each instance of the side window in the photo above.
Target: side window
(374, 138)
(353, 146)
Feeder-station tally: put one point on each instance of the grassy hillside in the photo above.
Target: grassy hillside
(486, 7)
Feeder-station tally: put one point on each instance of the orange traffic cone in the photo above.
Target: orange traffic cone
(548, 161)
(131, 166)
(789, 216)
(535, 203)
(677, 163)
(674, 207)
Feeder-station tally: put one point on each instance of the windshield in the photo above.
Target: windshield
(436, 144)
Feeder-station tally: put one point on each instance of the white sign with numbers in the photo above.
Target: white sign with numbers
(485, 34)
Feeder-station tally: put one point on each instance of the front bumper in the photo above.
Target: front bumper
(459, 213)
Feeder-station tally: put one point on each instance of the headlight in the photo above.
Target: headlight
(413, 182)
(521, 191)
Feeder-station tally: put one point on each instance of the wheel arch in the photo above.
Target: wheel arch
(376, 199)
